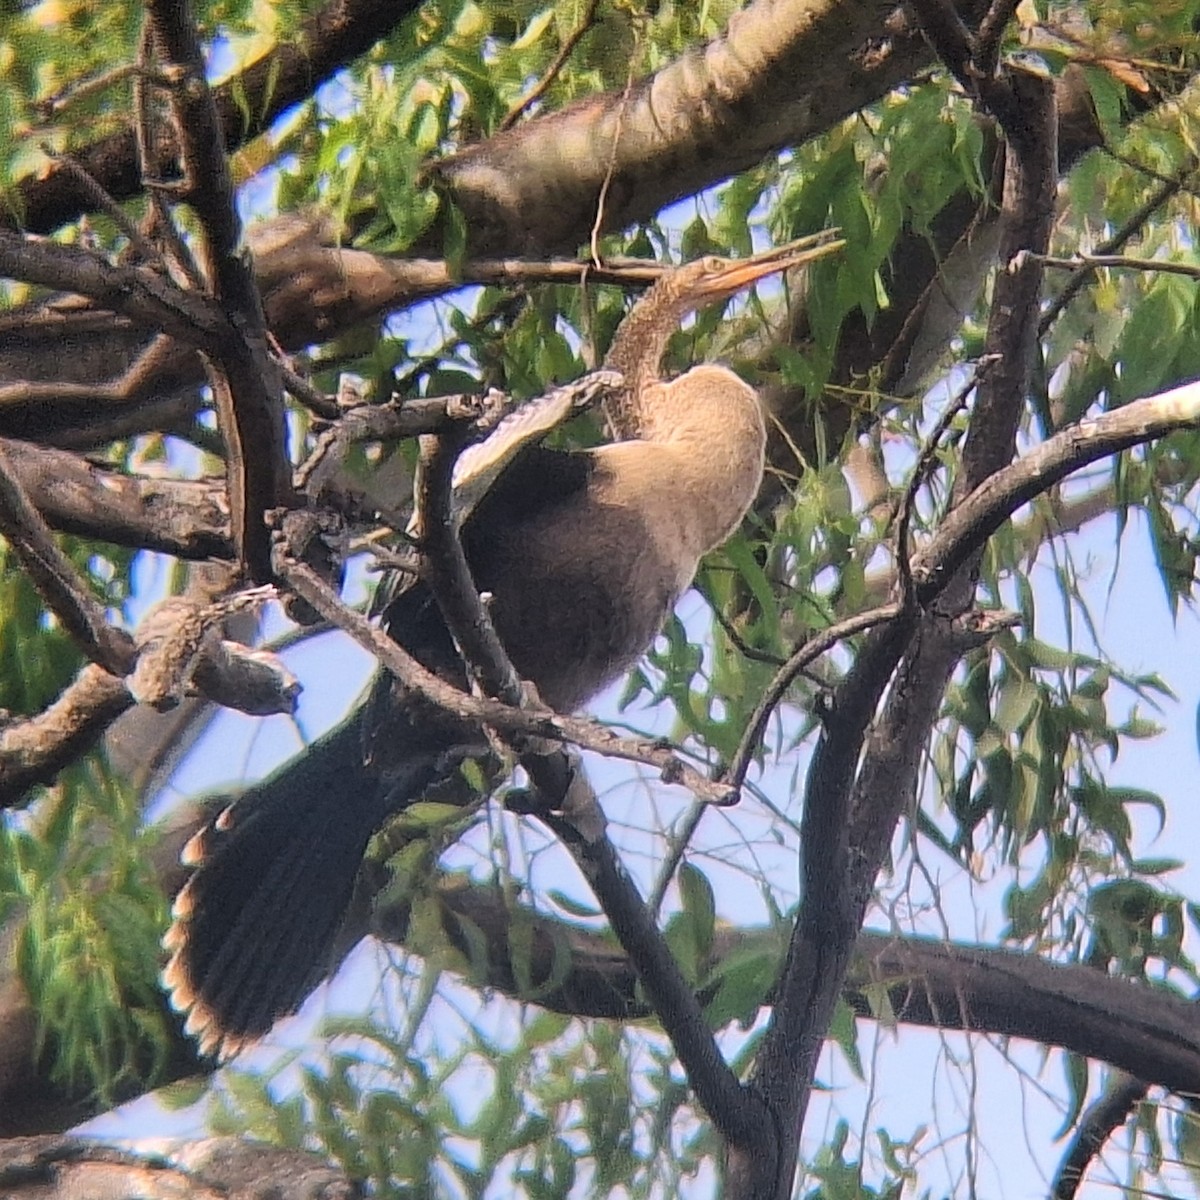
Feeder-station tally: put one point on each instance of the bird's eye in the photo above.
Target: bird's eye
(713, 264)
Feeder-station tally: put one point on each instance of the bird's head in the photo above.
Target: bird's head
(712, 278)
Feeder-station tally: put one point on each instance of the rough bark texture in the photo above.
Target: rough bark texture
(783, 71)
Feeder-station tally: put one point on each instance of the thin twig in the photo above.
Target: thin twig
(809, 650)
(1118, 261)
(676, 848)
(66, 594)
(966, 528)
(902, 512)
(610, 170)
(731, 632)
(1119, 239)
(303, 391)
(540, 88)
(535, 723)
(80, 89)
(146, 249)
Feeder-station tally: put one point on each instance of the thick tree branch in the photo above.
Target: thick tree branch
(926, 983)
(973, 520)
(75, 495)
(841, 864)
(140, 293)
(246, 384)
(179, 651)
(781, 71)
(66, 1168)
(34, 750)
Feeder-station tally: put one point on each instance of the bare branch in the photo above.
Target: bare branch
(247, 104)
(807, 652)
(180, 651)
(74, 495)
(246, 383)
(33, 751)
(60, 1168)
(968, 526)
(139, 293)
(1101, 1120)
(66, 594)
(737, 1113)
(1122, 262)
(991, 31)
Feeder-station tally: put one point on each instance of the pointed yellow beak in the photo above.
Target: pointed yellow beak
(725, 276)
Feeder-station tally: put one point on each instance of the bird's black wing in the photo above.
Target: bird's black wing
(256, 925)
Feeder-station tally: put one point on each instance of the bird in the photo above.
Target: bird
(582, 553)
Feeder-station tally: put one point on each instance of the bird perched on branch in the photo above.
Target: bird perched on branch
(583, 553)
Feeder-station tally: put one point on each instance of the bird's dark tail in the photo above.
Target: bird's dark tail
(255, 926)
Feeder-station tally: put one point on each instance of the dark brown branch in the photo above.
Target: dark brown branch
(968, 526)
(807, 652)
(951, 40)
(246, 383)
(247, 104)
(819, 948)
(737, 1113)
(54, 575)
(139, 293)
(926, 983)
(1030, 184)
(1101, 1120)
(444, 566)
(840, 866)
(179, 517)
(970, 60)
(991, 32)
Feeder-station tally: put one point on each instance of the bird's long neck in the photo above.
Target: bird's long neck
(637, 352)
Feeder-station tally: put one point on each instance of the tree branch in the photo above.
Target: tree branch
(966, 528)
(174, 516)
(1101, 1120)
(246, 383)
(178, 650)
(140, 293)
(247, 104)
(67, 596)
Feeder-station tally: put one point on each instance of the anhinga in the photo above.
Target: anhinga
(584, 553)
